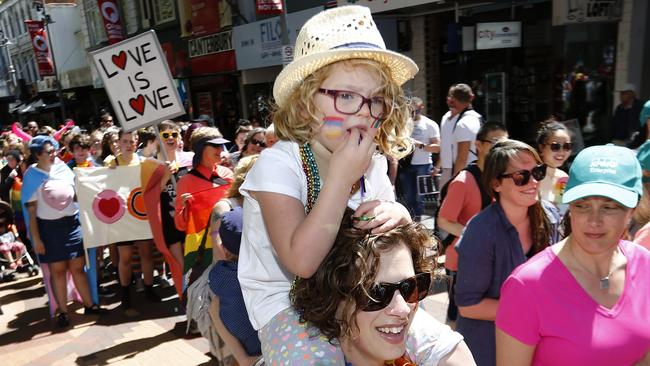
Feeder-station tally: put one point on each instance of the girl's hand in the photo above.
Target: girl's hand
(645, 361)
(352, 158)
(39, 247)
(380, 216)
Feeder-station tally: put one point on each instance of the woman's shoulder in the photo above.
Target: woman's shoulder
(534, 269)
(636, 253)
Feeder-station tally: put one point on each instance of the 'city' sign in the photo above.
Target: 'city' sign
(138, 81)
(498, 35)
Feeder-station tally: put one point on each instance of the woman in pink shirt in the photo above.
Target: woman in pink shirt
(586, 299)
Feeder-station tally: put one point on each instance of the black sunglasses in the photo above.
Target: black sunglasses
(556, 146)
(522, 177)
(412, 289)
(258, 143)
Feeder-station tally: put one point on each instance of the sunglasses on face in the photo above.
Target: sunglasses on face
(412, 289)
(522, 177)
(166, 135)
(258, 143)
(556, 146)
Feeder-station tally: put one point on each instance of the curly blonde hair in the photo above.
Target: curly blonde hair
(245, 164)
(296, 120)
(331, 299)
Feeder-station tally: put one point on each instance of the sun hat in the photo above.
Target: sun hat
(628, 87)
(230, 229)
(645, 113)
(342, 33)
(606, 171)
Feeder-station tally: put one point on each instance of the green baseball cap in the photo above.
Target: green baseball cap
(643, 155)
(606, 171)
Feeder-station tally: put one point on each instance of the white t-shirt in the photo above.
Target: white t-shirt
(265, 283)
(55, 199)
(424, 129)
(466, 130)
(429, 340)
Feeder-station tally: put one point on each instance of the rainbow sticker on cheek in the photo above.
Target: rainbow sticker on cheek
(332, 127)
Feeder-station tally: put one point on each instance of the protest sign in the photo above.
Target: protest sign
(138, 81)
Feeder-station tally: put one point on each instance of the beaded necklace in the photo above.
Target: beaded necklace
(313, 177)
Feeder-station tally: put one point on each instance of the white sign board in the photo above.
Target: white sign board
(259, 44)
(586, 11)
(498, 35)
(138, 81)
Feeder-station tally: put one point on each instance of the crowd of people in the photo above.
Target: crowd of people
(317, 255)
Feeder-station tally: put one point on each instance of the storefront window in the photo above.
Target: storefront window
(164, 11)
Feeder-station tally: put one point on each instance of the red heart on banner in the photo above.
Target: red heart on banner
(137, 104)
(109, 207)
(120, 60)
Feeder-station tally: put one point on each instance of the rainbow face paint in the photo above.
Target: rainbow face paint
(332, 126)
(377, 122)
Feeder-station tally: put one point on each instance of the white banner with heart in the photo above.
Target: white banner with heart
(111, 205)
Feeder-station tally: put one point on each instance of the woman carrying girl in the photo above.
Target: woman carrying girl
(337, 102)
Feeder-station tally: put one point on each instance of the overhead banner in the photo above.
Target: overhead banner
(498, 35)
(111, 205)
(586, 11)
(266, 7)
(36, 30)
(259, 44)
(112, 22)
(138, 81)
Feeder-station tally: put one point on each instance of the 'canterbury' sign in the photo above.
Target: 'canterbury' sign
(213, 43)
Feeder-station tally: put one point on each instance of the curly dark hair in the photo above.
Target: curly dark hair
(330, 300)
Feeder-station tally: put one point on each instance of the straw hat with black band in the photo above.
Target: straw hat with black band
(344, 33)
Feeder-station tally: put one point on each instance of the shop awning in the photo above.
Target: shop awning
(37, 105)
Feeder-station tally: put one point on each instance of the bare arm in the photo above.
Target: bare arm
(460, 356)
(484, 310)
(461, 156)
(219, 209)
(511, 352)
(451, 227)
(231, 341)
(33, 228)
(392, 169)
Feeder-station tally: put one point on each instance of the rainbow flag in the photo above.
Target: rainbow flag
(197, 224)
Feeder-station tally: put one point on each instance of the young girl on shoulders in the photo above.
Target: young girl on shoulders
(338, 102)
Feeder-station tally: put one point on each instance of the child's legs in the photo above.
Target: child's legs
(285, 341)
(146, 260)
(124, 267)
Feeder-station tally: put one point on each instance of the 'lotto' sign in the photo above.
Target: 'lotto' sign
(138, 81)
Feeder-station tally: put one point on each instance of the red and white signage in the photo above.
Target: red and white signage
(39, 43)
(264, 7)
(111, 15)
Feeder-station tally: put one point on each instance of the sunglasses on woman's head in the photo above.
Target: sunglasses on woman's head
(556, 146)
(412, 289)
(258, 143)
(522, 177)
(166, 135)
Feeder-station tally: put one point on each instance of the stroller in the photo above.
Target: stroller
(14, 255)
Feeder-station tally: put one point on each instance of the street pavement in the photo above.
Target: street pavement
(153, 334)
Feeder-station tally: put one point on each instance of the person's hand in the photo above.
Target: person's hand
(645, 361)
(352, 158)
(39, 247)
(186, 198)
(13, 173)
(380, 216)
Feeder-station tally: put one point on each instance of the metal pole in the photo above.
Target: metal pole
(47, 21)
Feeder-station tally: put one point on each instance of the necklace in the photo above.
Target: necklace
(313, 177)
(603, 282)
